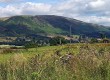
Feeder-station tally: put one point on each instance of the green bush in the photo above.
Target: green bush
(94, 40)
(57, 40)
(31, 45)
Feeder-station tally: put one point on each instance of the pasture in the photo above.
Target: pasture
(63, 62)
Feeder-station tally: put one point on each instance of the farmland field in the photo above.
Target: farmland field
(63, 62)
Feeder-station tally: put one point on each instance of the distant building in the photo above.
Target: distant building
(106, 41)
(23, 39)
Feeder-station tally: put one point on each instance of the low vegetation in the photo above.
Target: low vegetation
(66, 62)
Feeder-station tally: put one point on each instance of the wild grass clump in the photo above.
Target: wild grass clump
(7, 51)
(89, 64)
(10, 50)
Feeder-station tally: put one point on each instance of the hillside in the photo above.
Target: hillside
(48, 25)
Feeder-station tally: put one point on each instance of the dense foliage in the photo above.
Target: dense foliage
(57, 41)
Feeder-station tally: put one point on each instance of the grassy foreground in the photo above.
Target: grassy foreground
(66, 62)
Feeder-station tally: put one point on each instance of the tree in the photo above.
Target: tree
(31, 45)
(57, 40)
(102, 35)
(94, 40)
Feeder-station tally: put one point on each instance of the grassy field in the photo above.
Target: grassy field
(64, 62)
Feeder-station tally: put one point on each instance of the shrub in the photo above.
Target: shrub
(94, 40)
(31, 45)
(57, 40)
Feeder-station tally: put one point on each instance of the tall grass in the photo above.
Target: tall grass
(89, 64)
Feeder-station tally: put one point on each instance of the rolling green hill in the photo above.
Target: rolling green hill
(48, 25)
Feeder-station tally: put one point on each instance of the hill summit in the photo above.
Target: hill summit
(48, 25)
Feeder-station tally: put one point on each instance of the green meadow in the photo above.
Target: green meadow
(62, 62)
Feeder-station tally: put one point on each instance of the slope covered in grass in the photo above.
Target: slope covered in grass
(49, 25)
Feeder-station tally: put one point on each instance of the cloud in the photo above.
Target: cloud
(7, 1)
(102, 20)
(97, 4)
(96, 11)
(9, 11)
(35, 8)
(27, 8)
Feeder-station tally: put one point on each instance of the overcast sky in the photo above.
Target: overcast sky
(93, 11)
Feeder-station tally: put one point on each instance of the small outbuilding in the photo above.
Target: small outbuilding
(106, 41)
